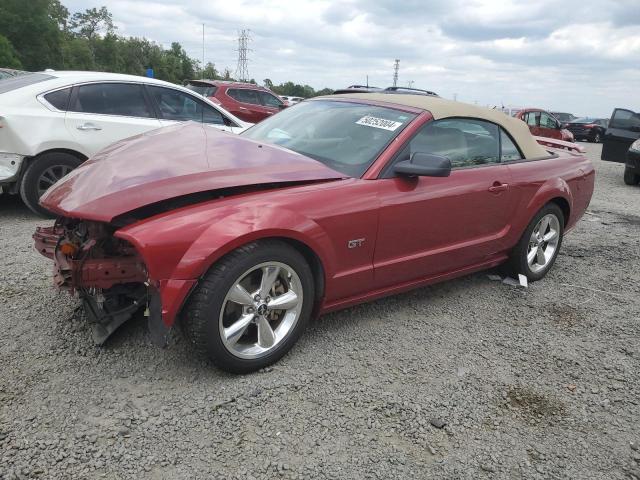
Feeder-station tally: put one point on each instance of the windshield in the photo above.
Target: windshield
(202, 88)
(13, 83)
(345, 136)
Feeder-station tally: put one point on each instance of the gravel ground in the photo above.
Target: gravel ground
(468, 379)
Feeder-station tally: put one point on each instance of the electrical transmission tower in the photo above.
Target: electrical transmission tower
(242, 70)
(396, 67)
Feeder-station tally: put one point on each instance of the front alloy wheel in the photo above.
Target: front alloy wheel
(251, 306)
(261, 309)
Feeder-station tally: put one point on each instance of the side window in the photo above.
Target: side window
(465, 142)
(179, 106)
(269, 100)
(625, 119)
(126, 99)
(547, 121)
(244, 95)
(508, 149)
(59, 99)
(533, 119)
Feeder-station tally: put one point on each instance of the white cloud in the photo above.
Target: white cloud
(577, 55)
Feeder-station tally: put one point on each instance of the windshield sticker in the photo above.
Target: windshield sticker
(376, 122)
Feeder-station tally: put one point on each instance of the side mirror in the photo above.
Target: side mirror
(282, 106)
(424, 165)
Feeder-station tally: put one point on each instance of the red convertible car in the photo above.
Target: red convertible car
(330, 203)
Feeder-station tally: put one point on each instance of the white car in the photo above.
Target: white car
(51, 122)
(291, 100)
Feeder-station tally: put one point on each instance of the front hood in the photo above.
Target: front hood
(172, 162)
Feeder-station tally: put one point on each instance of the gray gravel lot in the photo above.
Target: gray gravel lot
(530, 383)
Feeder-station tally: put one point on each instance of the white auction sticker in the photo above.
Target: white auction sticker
(376, 122)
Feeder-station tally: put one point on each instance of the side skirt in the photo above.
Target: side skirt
(410, 285)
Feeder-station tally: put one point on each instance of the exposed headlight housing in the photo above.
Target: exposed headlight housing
(636, 145)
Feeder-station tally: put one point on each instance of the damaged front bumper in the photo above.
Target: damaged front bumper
(111, 279)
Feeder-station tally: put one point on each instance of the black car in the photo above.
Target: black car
(632, 165)
(623, 130)
(564, 117)
(590, 129)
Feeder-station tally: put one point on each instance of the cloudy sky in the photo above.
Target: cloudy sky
(581, 56)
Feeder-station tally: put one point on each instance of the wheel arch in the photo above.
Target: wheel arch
(564, 206)
(29, 160)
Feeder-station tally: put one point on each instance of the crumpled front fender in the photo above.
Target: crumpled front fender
(178, 248)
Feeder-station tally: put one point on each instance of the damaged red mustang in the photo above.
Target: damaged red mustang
(330, 203)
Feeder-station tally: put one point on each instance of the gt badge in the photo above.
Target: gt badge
(357, 242)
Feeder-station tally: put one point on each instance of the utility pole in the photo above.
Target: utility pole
(242, 70)
(396, 67)
(202, 71)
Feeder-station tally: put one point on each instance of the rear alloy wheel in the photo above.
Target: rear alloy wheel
(631, 177)
(43, 172)
(596, 138)
(539, 245)
(251, 307)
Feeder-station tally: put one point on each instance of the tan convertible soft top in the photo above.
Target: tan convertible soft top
(441, 108)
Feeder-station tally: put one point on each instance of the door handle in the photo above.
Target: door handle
(88, 126)
(498, 187)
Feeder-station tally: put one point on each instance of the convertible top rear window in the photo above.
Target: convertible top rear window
(345, 136)
(14, 83)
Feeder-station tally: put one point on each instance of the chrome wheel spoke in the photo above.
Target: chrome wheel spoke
(544, 224)
(533, 253)
(543, 244)
(269, 277)
(286, 301)
(540, 257)
(550, 235)
(237, 329)
(261, 309)
(266, 336)
(239, 295)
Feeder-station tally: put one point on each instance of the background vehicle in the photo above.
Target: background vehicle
(392, 90)
(564, 117)
(591, 129)
(52, 122)
(291, 100)
(9, 72)
(632, 165)
(543, 124)
(246, 101)
(623, 130)
(341, 200)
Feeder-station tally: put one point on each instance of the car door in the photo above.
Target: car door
(623, 130)
(433, 225)
(271, 103)
(249, 107)
(549, 126)
(174, 106)
(100, 114)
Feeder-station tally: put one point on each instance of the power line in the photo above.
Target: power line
(396, 67)
(242, 70)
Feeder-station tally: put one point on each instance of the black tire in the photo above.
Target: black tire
(630, 177)
(33, 177)
(518, 262)
(597, 138)
(201, 316)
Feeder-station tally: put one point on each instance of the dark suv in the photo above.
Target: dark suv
(590, 129)
(246, 101)
(621, 143)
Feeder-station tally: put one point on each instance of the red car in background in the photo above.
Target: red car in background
(543, 124)
(249, 102)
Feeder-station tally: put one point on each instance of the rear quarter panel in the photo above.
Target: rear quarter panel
(569, 176)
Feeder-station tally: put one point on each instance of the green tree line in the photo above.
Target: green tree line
(40, 34)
